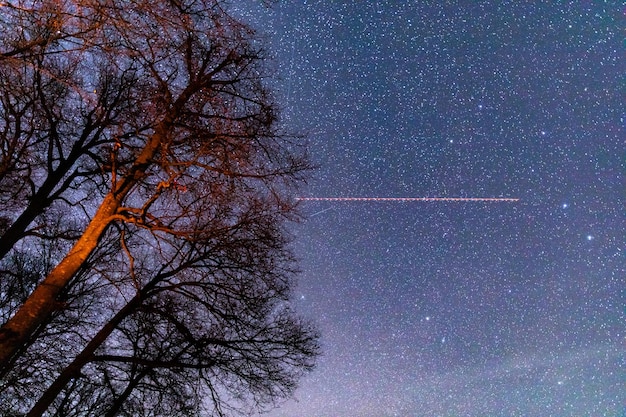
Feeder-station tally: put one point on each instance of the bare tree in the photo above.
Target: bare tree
(149, 126)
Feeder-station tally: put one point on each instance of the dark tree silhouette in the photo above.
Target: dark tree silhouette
(144, 190)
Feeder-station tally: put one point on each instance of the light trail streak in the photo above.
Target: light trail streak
(409, 199)
(320, 212)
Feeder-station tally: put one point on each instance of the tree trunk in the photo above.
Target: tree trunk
(18, 330)
(40, 201)
(43, 300)
(74, 368)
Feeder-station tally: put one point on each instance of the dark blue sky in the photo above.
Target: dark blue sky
(459, 308)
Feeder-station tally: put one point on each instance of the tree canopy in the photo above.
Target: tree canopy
(144, 191)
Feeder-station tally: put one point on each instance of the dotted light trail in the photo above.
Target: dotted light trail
(408, 199)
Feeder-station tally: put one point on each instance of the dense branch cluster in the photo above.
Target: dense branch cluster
(144, 189)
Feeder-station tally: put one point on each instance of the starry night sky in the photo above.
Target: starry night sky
(459, 308)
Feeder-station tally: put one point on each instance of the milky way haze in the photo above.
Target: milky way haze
(455, 308)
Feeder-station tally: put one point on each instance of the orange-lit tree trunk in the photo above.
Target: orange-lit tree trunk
(17, 331)
(182, 168)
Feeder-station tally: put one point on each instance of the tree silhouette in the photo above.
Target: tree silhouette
(144, 189)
